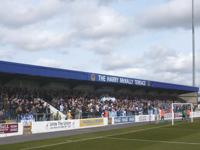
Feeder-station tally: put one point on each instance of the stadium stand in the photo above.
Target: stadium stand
(37, 91)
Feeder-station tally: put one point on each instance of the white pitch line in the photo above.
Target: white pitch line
(92, 138)
(155, 141)
(61, 143)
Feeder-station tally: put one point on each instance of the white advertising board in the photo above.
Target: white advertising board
(52, 126)
(144, 118)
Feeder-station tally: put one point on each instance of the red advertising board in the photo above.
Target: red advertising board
(8, 128)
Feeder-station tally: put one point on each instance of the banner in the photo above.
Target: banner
(144, 118)
(27, 120)
(128, 119)
(168, 116)
(8, 128)
(60, 125)
(91, 122)
(51, 126)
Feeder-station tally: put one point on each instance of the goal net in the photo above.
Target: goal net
(182, 111)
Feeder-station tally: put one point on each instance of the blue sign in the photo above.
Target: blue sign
(122, 80)
(27, 119)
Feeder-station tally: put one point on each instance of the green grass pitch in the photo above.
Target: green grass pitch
(182, 136)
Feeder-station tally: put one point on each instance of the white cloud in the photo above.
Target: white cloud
(48, 62)
(168, 60)
(99, 22)
(159, 64)
(172, 14)
(116, 62)
(15, 13)
(61, 24)
(33, 40)
(157, 52)
(103, 46)
(100, 26)
(4, 55)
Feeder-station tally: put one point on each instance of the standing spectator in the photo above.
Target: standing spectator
(162, 114)
(106, 113)
(61, 108)
(48, 112)
(57, 116)
(77, 113)
(69, 115)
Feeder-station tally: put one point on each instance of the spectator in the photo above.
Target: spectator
(57, 116)
(69, 115)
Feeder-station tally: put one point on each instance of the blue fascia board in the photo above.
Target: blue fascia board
(32, 70)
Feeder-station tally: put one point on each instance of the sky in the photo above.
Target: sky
(145, 39)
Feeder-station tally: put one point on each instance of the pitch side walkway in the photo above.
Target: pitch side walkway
(42, 136)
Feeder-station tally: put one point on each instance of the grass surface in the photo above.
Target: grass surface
(182, 136)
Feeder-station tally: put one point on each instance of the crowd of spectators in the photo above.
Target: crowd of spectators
(18, 103)
(81, 107)
(17, 108)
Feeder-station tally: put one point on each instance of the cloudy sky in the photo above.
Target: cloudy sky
(147, 39)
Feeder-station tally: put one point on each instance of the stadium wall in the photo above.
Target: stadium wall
(15, 129)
